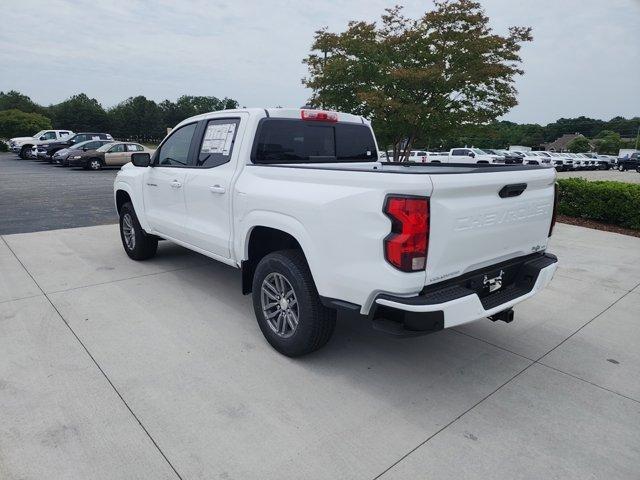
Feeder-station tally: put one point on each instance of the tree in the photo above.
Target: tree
(80, 113)
(137, 118)
(607, 142)
(579, 145)
(16, 100)
(187, 106)
(15, 123)
(419, 80)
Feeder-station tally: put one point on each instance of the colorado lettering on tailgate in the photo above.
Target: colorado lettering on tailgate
(520, 213)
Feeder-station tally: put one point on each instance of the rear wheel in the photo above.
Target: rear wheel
(136, 242)
(287, 305)
(94, 164)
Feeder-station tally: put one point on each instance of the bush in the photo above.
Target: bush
(3, 146)
(14, 123)
(615, 203)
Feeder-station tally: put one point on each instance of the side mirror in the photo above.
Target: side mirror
(472, 155)
(141, 159)
(42, 138)
(84, 149)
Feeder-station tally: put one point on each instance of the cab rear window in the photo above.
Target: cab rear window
(300, 141)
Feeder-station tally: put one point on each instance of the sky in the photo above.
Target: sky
(584, 59)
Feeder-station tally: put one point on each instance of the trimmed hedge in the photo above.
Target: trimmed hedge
(610, 202)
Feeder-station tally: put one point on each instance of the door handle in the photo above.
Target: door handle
(175, 184)
(217, 189)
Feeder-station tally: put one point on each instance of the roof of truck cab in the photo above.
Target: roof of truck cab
(292, 113)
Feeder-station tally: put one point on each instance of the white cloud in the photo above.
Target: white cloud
(584, 59)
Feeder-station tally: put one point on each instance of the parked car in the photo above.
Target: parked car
(473, 155)
(62, 156)
(510, 157)
(629, 163)
(578, 162)
(561, 162)
(605, 162)
(23, 145)
(112, 154)
(532, 158)
(423, 156)
(625, 153)
(588, 162)
(298, 200)
(46, 150)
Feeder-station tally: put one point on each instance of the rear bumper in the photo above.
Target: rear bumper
(463, 300)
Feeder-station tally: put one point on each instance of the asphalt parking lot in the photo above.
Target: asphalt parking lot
(119, 369)
(37, 196)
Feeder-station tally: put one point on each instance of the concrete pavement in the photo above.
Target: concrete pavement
(116, 369)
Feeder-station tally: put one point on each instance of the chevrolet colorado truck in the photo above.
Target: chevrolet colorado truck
(297, 199)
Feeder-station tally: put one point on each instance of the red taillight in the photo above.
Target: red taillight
(556, 199)
(406, 246)
(319, 116)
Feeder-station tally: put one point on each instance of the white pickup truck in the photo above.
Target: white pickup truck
(23, 146)
(298, 200)
(460, 155)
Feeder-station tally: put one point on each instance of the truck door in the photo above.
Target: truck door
(209, 184)
(164, 182)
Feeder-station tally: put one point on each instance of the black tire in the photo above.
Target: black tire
(144, 246)
(23, 152)
(315, 321)
(94, 164)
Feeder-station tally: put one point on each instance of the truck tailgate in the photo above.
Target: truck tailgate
(472, 225)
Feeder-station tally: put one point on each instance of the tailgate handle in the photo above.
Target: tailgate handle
(512, 190)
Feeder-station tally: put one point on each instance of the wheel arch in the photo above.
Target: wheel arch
(264, 237)
(123, 192)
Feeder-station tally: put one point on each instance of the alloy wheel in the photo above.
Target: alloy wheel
(279, 305)
(128, 231)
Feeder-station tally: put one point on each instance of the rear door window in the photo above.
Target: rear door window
(291, 141)
(217, 142)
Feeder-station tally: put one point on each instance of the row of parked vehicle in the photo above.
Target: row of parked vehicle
(89, 150)
(561, 161)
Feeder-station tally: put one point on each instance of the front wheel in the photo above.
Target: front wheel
(136, 242)
(287, 305)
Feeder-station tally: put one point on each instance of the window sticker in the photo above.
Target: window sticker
(218, 138)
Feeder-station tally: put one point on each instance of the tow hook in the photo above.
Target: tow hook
(504, 316)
